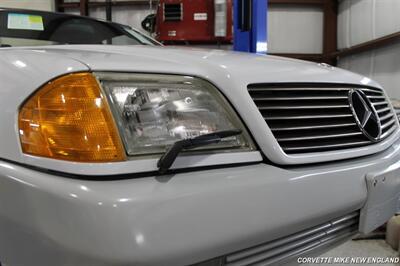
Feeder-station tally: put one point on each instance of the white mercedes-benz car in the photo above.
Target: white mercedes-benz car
(115, 150)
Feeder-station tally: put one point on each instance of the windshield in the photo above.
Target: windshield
(35, 28)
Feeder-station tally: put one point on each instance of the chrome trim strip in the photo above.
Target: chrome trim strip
(295, 244)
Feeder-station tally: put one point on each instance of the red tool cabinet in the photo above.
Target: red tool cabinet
(198, 21)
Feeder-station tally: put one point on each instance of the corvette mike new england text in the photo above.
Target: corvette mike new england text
(348, 260)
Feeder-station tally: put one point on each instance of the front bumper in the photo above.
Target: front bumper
(172, 220)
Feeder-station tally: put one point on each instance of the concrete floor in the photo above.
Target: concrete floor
(362, 248)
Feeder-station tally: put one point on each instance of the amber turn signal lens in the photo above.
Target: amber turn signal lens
(69, 119)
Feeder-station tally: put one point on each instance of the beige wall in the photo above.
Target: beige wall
(364, 20)
(295, 29)
(47, 5)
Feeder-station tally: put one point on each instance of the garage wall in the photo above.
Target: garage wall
(132, 15)
(129, 15)
(291, 29)
(295, 29)
(47, 5)
(364, 20)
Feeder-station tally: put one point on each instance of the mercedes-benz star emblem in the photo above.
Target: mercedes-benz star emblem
(365, 114)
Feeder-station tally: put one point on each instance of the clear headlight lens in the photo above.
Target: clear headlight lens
(155, 111)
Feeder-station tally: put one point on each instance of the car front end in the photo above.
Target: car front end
(316, 162)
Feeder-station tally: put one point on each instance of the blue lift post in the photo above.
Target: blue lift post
(250, 26)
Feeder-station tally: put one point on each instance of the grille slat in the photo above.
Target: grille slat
(388, 132)
(285, 107)
(379, 103)
(390, 115)
(329, 146)
(388, 124)
(376, 97)
(307, 117)
(321, 136)
(383, 110)
(372, 92)
(319, 118)
(254, 88)
(298, 98)
(263, 256)
(296, 244)
(326, 126)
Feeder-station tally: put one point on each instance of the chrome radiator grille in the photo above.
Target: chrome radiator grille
(313, 119)
(285, 248)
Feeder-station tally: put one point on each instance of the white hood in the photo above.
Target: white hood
(244, 68)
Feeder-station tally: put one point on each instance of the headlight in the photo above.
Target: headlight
(74, 118)
(155, 111)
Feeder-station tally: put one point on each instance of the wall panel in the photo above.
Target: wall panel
(387, 17)
(381, 65)
(365, 20)
(47, 5)
(295, 29)
(343, 25)
(361, 21)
